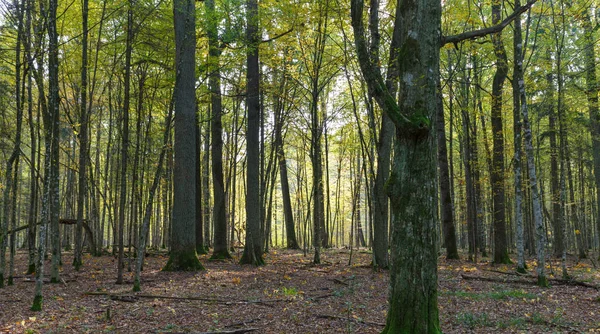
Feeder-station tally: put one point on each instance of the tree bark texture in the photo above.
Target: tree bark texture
(183, 244)
(413, 293)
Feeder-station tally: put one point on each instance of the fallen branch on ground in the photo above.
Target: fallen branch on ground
(208, 300)
(335, 317)
(520, 281)
(509, 273)
(234, 331)
(242, 323)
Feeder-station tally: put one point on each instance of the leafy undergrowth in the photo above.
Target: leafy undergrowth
(290, 295)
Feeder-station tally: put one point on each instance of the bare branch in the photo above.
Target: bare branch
(489, 30)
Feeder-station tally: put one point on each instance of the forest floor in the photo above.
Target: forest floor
(291, 295)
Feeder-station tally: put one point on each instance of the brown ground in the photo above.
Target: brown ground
(290, 295)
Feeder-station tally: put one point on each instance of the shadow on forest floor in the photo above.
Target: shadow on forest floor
(290, 295)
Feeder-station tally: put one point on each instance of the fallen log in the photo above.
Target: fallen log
(522, 281)
(208, 300)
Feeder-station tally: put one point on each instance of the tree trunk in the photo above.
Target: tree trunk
(444, 179)
(413, 294)
(141, 247)
(13, 160)
(125, 142)
(221, 250)
(83, 138)
(33, 187)
(592, 99)
(50, 199)
(200, 245)
(183, 245)
(497, 177)
(253, 251)
(517, 84)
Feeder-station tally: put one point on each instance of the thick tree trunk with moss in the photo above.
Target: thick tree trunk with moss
(413, 294)
(253, 250)
(183, 246)
(497, 177)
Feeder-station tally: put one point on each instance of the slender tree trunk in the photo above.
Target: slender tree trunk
(290, 230)
(444, 179)
(83, 138)
(33, 176)
(200, 245)
(12, 162)
(141, 247)
(517, 84)
(592, 99)
(221, 250)
(50, 199)
(125, 142)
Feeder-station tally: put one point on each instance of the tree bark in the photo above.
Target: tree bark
(592, 101)
(497, 177)
(125, 142)
(83, 138)
(413, 293)
(253, 251)
(221, 249)
(444, 179)
(183, 246)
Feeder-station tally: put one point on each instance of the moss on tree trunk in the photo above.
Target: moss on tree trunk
(183, 261)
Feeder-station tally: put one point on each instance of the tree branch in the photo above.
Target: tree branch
(489, 30)
(277, 36)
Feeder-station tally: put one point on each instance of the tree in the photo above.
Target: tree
(221, 250)
(447, 217)
(592, 101)
(413, 277)
(183, 246)
(141, 250)
(497, 177)
(50, 201)
(280, 118)
(253, 250)
(83, 138)
(12, 164)
(125, 141)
